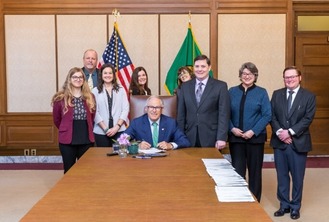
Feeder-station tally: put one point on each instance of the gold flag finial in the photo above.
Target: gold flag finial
(116, 14)
(189, 16)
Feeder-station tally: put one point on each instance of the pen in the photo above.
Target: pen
(142, 157)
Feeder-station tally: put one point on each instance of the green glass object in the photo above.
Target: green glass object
(133, 149)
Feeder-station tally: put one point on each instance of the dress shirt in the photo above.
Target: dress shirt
(293, 95)
(292, 102)
(203, 85)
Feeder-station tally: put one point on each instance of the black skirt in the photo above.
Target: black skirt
(80, 132)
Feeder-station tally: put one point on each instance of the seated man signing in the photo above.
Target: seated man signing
(154, 129)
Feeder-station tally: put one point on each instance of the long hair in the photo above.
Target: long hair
(134, 81)
(180, 70)
(66, 94)
(115, 84)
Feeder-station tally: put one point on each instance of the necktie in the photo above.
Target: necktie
(290, 100)
(90, 81)
(198, 93)
(155, 134)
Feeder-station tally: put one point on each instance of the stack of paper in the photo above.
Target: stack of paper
(233, 194)
(230, 186)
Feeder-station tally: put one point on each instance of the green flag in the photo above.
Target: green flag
(185, 57)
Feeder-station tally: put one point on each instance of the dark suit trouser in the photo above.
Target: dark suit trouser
(249, 156)
(289, 162)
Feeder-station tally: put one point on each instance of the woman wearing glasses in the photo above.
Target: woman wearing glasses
(73, 114)
(250, 114)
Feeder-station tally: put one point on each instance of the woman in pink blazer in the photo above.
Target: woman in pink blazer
(73, 114)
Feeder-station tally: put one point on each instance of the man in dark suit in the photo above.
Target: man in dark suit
(154, 129)
(90, 59)
(204, 107)
(291, 139)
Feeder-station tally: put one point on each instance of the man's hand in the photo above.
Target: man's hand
(165, 146)
(284, 135)
(144, 145)
(220, 144)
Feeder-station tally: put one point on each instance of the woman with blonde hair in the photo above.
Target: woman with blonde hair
(73, 114)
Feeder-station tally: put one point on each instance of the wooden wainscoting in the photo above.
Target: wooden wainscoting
(28, 134)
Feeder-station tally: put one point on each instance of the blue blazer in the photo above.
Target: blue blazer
(140, 130)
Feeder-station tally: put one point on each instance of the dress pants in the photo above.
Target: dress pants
(105, 141)
(71, 153)
(249, 156)
(289, 162)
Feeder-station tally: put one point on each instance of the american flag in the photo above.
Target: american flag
(116, 54)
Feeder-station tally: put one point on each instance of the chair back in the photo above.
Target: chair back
(138, 104)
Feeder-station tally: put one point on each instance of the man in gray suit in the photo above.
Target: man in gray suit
(204, 107)
(293, 110)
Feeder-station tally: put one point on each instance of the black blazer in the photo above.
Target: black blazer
(212, 116)
(299, 119)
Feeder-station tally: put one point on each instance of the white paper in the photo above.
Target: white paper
(234, 194)
(230, 186)
(150, 151)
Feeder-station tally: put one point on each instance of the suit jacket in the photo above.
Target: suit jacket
(120, 108)
(140, 129)
(64, 122)
(211, 117)
(299, 118)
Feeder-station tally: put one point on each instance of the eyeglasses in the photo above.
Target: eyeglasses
(290, 77)
(76, 78)
(247, 74)
(155, 107)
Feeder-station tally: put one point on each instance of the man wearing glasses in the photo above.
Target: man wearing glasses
(293, 110)
(155, 129)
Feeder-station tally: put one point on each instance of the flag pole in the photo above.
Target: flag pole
(116, 14)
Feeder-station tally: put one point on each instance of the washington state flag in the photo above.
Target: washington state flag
(185, 57)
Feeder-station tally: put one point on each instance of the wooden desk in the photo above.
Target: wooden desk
(173, 188)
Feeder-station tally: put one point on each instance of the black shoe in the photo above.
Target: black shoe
(281, 212)
(294, 214)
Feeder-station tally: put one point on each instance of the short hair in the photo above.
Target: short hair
(251, 67)
(202, 57)
(153, 97)
(299, 73)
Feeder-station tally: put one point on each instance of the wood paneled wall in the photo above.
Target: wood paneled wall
(19, 131)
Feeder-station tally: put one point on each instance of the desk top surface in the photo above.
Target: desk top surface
(172, 188)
